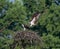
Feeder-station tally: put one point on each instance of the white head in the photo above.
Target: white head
(23, 27)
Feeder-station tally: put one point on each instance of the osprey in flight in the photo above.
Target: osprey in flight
(33, 21)
(34, 18)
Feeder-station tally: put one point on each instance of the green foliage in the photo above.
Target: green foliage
(2, 4)
(17, 13)
(51, 41)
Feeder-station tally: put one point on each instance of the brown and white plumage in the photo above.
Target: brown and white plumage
(25, 27)
(34, 18)
(33, 21)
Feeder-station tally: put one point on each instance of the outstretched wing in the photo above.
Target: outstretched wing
(33, 21)
(34, 18)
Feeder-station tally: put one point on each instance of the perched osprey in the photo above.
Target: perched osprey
(25, 27)
(33, 21)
